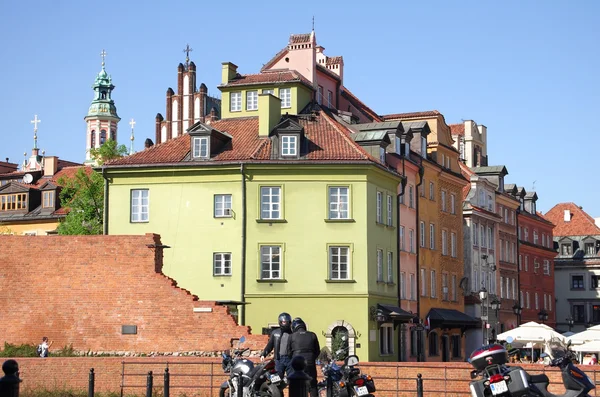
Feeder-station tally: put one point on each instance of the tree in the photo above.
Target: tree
(108, 151)
(83, 196)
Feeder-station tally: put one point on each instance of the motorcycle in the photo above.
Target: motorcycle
(500, 379)
(247, 379)
(345, 380)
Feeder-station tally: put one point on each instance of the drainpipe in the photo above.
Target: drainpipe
(420, 354)
(105, 209)
(517, 212)
(243, 264)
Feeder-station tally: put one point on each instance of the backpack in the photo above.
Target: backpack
(39, 350)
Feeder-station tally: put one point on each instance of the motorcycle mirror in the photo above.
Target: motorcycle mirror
(509, 339)
(473, 374)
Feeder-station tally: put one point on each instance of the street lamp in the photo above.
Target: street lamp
(496, 304)
(570, 321)
(543, 316)
(482, 297)
(517, 309)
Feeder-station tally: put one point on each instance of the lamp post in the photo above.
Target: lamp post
(496, 304)
(482, 297)
(517, 309)
(570, 321)
(543, 316)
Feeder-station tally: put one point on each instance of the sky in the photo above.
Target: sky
(528, 70)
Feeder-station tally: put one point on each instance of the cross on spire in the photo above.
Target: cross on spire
(35, 122)
(187, 51)
(103, 55)
(132, 124)
(313, 23)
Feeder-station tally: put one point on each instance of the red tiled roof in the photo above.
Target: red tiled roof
(428, 113)
(457, 129)
(66, 163)
(68, 172)
(300, 38)
(357, 103)
(328, 141)
(334, 60)
(274, 60)
(268, 77)
(581, 224)
(467, 173)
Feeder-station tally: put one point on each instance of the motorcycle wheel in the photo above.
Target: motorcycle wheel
(269, 390)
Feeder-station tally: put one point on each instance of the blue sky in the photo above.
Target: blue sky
(528, 70)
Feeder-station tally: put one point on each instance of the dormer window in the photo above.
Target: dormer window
(201, 147)
(397, 144)
(48, 200)
(566, 249)
(590, 249)
(289, 145)
(533, 210)
(424, 147)
(407, 149)
(382, 154)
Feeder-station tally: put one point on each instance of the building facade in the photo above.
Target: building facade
(576, 240)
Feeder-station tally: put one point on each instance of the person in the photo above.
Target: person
(279, 342)
(593, 360)
(44, 347)
(305, 343)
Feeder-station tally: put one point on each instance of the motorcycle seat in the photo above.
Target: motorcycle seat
(541, 378)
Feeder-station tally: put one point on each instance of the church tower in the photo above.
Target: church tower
(102, 118)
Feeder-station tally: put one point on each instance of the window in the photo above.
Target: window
(382, 154)
(379, 204)
(546, 267)
(431, 191)
(514, 288)
(289, 145)
(433, 344)
(251, 100)
(413, 286)
(578, 313)
(320, 96)
(268, 91)
(235, 102)
(590, 249)
(594, 281)
(339, 263)
(431, 236)
(537, 304)
(222, 264)
(433, 284)
(411, 196)
(443, 199)
(501, 287)
(543, 240)
(200, 149)
(444, 242)
(380, 265)
(535, 237)
(386, 339)
(508, 289)
(402, 238)
(390, 267)
(528, 303)
(339, 202)
(140, 201)
(491, 238)
(445, 292)
(422, 234)
(595, 314)
(545, 302)
(456, 346)
(453, 244)
(13, 202)
(423, 146)
(482, 230)
(526, 263)
(453, 289)
(390, 210)
(411, 241)
(93, 139)
(402, 285)
(505, 215)
(48, 199)
(475, 234)
(566, 249)
(413, 342)
(270, 262)
(285, 94)
(422, 189)
(452, 204)
(443, 160)
(270, 202)
(402, 196)
(526, 234)
(102, 137)
(577, 281)
(222, 205)
(423, 283)
(329, 99)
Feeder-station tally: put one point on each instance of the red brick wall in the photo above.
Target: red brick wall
(80, 290)
(391, 379)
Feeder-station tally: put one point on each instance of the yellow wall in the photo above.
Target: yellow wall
(40, 228)
(300, 97)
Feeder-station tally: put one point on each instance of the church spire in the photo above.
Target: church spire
(132, 124)
(35, 122)
(187, 51)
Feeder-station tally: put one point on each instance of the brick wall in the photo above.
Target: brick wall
(196, 376)
(80, 290)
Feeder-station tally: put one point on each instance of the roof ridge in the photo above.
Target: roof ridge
(347, 138)
(373, 114)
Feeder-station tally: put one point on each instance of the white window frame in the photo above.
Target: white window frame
(273, 268)
(235, 101)
(379, 207)
(423, 282)
(386, 342)
(431, 236)
(289, 145)
(270, 196)
(431, 191)
(433, 282)
(390, 267)
(452, 203)
(444, 242)
(221, 263)
(402, 239)
(422, 234)
(411, 241)
(443, 200)
(390, 210)
(453, 244)
(285, 94)
(140, 212)
(336, 256)
(475, 234)
(411, 196)
(222, 206)
(339, 202)
(379, 265)
(252, 100)
(413, 286)
(201, 147)
(402, 285)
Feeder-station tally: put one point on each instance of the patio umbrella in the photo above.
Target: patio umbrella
(590, 334)
(531, 332)
(590, 347)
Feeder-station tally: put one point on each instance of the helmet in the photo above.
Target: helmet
(285, 321)
(297, 324)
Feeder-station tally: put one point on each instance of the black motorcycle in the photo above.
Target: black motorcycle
(247, 379)
(345, 380)
(499, 379)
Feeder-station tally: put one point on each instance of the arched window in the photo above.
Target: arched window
(102, 137)
(93, 139)
(335, 333)
(103, 95)
(339, 342)
(113, 135)
(433, 343)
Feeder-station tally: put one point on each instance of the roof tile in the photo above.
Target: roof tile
(581, 224)
(428, 113)
(457, 129)
(268, 77)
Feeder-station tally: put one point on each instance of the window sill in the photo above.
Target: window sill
(221, 275)
(251, 110)
(381, 282)
(380, 224)
(391, 283)
(134, 222)
(271, 221)
(344, 220)
(340, 281)
(274, 280)
(222, 216)
(392, 227)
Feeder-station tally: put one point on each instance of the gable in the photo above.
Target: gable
(13, 187)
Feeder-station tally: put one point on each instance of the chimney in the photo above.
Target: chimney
(228, 72)
(213, 114)
(567, 215)
(269, 113)
(50, 165)
(148, 143)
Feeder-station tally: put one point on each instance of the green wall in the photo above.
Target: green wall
(301, 96)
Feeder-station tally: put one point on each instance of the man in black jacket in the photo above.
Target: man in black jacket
(279, 342)
(305, 343)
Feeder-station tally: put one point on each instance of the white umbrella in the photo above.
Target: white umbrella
(568, 333)
(531, 332)
(590, 334)
(593, 346)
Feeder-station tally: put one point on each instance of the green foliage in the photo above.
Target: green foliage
(108, 151)
(66, 351)
(83, 195)
(340, 343)
(24, 350)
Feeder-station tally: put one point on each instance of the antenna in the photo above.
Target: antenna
(533, 185)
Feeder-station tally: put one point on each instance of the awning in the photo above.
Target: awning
(396, 314)
(450, 318)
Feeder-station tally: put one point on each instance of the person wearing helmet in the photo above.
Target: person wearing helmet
(305, 343)
(279, 343)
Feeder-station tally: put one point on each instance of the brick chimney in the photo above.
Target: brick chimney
(50, 165)
(228, 72)
(269, 113)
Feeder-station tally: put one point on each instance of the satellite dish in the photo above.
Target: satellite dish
(27, 178)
